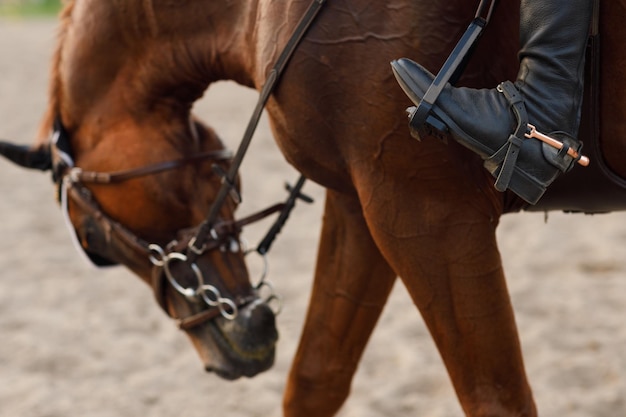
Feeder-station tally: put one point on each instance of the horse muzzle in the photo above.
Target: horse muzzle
(244, 346)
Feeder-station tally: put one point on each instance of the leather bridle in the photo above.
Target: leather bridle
(107, 242)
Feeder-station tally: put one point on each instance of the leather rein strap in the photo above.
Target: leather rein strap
(229, 178)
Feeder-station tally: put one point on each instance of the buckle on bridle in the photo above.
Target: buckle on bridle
(192, 246)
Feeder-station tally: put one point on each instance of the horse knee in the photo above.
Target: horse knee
(497, 403)
(320, 395)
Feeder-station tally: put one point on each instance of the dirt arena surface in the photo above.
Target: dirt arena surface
(81, 342)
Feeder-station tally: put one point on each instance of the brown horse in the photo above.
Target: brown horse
(125, 76)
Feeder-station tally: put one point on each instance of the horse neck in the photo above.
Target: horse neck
(120, 57)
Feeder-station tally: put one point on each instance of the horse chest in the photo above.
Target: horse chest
(311, 149)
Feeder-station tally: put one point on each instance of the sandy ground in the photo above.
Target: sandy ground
(75, 341)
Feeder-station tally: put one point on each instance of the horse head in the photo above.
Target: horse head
(137, 174)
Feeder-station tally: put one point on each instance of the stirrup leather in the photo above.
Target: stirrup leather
(420, 116)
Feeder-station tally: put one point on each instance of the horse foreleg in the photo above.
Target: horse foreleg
(450, 264)
(352, 284)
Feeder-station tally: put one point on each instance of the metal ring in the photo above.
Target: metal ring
(279, 303)
(230, 312)
(210, 288)
(189, 292)
(74, 174)
(272, 296)
(265, 283)
(158, 251)
(231, 304)
(265, 267)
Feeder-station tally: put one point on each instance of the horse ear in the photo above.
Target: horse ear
(23, 155)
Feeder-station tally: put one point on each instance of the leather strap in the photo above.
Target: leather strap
(268, 88)
(94, 177)
(507, 155)
(113, 233)
(222, 231)
(452, 68)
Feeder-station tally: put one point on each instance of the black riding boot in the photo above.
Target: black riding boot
(547, 94)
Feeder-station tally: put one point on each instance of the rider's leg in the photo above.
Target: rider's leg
(553, 35)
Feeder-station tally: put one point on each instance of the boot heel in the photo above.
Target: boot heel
(525, 186)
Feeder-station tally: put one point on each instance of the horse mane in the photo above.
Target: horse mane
(54, 88)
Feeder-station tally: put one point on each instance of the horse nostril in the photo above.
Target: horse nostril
(262, 317)
(255, 323)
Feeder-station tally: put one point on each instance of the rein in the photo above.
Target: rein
(196, 245)
(209, 235)
(200, 242)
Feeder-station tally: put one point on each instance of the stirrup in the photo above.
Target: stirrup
(451, 71)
